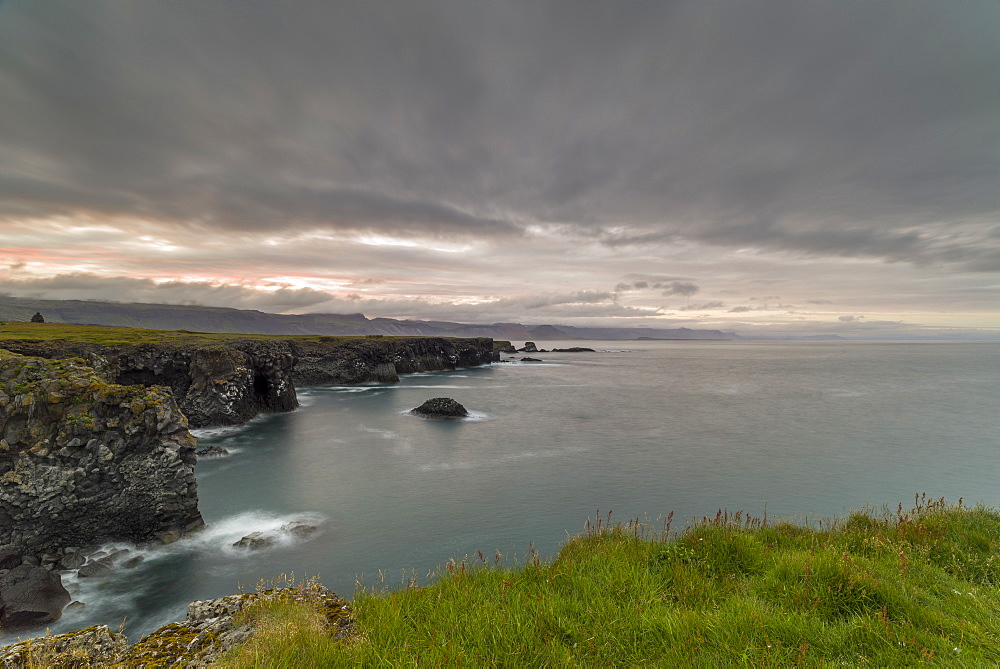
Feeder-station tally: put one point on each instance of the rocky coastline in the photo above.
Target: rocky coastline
(95, 443)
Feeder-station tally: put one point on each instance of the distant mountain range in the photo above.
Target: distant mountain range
(218, 319)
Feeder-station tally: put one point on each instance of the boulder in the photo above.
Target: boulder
(211, 452)
(441, 407)
(297, 529)
(72, 561)
(9, 559)
(529, 347)
(256, 541)
(31, 596)
(100, 567)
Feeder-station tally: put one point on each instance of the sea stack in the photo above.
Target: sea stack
(441, 407)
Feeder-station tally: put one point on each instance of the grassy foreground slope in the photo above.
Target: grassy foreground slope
(876, 589)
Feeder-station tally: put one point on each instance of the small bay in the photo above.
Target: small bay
(640, 429)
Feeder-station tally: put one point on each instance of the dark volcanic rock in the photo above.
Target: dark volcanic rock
(100, 567)
(83, 461)
(256, 541)
(529, 347)
(211, 452)
(441, 407)
(530, 360)
(335, 361)
(573, 349)
(31, 596)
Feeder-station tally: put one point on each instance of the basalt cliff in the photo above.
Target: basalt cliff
(231, 381)
(95, 443)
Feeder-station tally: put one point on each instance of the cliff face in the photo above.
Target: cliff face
(83, 460)
(217, 385)
(229, 383)
(380, 360)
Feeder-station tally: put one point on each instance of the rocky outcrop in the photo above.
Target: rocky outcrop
(500, 346)
(330, 361)
(441, 407)
(211, 629)
(573, 349)
(230, 382)
(92, 647)
(529, 347)
(224, 384)
(84, 461)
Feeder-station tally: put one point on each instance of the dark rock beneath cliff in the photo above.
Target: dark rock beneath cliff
(211, 452)
(31, 596)
(98, 568)
(441, 407)
(9, 559)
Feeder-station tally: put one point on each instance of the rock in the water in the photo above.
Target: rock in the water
(441, 407)
(100, 567)
(31, 596)
(211, 452)
(72, 561)
(256, 540)
(530, 360)
(297, 529)
(573, 349)
(529, 347)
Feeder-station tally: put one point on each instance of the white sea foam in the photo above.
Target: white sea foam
(473, 417)
(222, 534)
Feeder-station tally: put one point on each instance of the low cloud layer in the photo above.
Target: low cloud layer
(543, 158)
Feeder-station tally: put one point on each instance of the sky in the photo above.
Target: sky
(752, 166)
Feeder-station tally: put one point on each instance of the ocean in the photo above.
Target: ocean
(638, 429)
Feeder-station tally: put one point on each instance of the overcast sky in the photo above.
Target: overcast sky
(747, 165)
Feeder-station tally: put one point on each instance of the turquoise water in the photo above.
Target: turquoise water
(803, 428)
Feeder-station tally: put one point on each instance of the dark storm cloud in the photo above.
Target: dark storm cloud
(846, 128)
(84, 285)
(685, 288)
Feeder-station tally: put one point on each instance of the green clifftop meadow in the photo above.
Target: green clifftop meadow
(878, 588)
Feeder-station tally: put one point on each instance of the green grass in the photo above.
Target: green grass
(896, 588)
(117, 336)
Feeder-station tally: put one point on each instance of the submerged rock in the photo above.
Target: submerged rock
(211, 452)
(530, 360)
(573, 349)
(441, 407)
(31, 596)
(256, 541)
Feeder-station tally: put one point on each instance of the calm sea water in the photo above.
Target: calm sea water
(639, 429)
